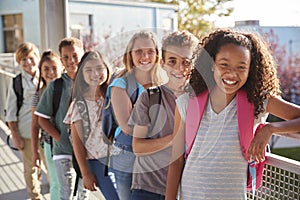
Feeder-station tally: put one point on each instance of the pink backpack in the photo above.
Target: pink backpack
(245, 114)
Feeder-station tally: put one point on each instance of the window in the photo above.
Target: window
(13, 32)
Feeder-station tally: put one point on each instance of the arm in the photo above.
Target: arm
(122, 108)
(36, 159)
(49, 128)
(16, 137)
(143, 146)
(280, 108)
(89, 181)
(11, 118)
(177, 161)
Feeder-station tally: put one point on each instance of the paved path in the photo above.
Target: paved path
(12, 184)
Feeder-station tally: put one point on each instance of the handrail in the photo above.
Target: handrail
(279, 161)
(11, 75)
(281, 179)
(295, 136)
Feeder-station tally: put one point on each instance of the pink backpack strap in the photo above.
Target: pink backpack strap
(245, 113)
(194, 115)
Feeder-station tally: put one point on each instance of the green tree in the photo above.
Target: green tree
(197, 16)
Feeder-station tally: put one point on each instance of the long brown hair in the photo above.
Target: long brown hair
(48, 55)
(80, 86)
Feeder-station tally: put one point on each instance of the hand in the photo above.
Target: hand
(36, 159)
(257, 147)
(89, 181)
(18, 142)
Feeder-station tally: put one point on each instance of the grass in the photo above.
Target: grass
(292, 153)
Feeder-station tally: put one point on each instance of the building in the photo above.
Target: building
(286, 37)
(45, 22)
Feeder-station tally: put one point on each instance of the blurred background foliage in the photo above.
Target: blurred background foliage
(197, 16)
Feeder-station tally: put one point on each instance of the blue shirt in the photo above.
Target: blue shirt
(121, 83)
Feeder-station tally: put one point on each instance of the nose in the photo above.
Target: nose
(231, 71)
(52, 71)
(145, 54)
(97, 72)
(71, 59)
(181, 68)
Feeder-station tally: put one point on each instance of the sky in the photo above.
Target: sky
(268, 12)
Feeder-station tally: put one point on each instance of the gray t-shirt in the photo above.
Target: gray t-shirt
(150, 171)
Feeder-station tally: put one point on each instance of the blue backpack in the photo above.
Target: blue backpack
(109, 123)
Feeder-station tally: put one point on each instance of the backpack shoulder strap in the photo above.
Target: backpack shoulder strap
(154, 94)
(131, 87)
(195, 110)
(245, 114)
(57, 91)
(84, 113)
(18, 89)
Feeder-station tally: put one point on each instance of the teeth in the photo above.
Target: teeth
(229, 82)
(179, 76)
(144, 63)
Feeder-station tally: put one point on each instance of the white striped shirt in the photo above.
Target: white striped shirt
(215, 168)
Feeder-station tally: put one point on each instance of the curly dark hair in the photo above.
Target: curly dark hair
(262, 81)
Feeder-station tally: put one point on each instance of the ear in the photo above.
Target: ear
(162, 63)
(213, 68)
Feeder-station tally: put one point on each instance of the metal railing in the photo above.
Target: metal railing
(8, 70)
(280, 180)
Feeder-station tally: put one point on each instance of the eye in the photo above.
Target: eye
(88, 69)
(75, 56)
(100, 69)
(151, 52)
(171, 62)
(223, 65)
(242, 67)
(186, 62)
(46, 68)
(138, 51)
(65, 58)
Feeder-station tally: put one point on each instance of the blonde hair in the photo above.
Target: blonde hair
(127, 57)
(24, 49)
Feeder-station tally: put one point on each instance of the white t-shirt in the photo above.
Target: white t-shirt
(94, 144)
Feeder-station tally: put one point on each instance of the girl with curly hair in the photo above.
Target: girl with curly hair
(227, 63)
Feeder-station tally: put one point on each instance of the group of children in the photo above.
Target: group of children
(148, 156)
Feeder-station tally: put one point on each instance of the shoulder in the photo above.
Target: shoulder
(118, 82)
(182, 104)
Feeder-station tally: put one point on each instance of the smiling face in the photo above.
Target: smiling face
(51, 69)
(30, 63)
(70, 57)
(231, 69)
(94, 72)
(143, 54)
(177, 64)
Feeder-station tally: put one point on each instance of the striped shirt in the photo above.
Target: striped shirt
(215, 168)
